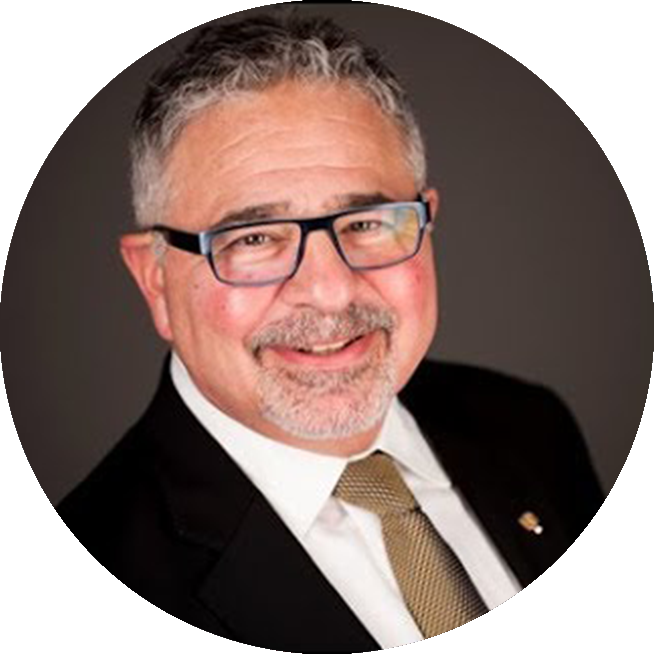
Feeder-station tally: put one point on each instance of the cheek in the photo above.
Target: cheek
(231, 312)
(410, 289)
(417, 309)
(421, 282)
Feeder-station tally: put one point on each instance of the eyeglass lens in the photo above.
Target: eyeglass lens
(261, 253)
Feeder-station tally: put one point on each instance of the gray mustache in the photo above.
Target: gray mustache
(310, 327)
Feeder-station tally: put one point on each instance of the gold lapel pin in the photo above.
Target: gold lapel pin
(531, 522)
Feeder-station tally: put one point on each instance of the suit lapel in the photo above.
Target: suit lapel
(497, 488)
(266, 585)
(499, 496)
(262, 586)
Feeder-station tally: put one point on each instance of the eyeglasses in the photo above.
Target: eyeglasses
(271, 251)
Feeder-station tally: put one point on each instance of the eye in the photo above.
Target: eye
(253, 240)
(364, 226)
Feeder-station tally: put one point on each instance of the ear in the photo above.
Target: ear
(140, 258)
(431, 195)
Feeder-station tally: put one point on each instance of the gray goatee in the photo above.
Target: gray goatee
(319, 404)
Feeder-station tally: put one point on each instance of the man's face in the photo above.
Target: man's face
(271, 356)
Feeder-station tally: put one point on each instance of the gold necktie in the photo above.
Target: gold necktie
(435, 587)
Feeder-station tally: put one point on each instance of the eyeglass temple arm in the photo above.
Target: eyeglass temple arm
(182, 240)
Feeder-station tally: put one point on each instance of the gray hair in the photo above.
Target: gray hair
(252, 55)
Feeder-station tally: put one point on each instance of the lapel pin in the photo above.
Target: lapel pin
(531, 522)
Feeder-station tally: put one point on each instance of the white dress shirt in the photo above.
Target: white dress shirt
(345, 541)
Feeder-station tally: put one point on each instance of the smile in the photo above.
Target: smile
(339, 354)
(328, 348)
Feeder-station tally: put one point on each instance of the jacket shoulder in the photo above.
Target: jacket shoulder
(445, 374)
(494, 408)
(465, 393)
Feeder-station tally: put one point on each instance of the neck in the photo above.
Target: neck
(340, 447)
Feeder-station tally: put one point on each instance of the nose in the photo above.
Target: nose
(323, 280)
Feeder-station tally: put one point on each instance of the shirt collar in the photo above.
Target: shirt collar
(298, 483)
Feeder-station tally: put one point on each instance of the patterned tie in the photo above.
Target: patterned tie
(435, 587)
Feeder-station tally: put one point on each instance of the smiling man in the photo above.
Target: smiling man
(313, 350)
(278, 491)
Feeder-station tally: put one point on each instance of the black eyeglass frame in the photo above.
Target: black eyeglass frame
(200, 243)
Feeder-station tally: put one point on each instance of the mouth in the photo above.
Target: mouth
(329, 355)
(327, 349)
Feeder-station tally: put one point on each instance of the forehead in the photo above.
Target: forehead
(295, 145)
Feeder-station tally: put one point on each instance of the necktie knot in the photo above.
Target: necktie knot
(375, 484)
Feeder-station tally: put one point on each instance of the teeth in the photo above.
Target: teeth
(326, 349)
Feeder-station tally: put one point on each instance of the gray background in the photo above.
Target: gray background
(542, 269)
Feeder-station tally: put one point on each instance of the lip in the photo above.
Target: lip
(345, 358)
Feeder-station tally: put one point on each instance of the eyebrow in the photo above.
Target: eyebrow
(276, 210)
(253, 213)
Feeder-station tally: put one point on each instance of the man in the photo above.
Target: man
(277, 491)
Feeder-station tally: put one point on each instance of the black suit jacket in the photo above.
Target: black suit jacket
(170, 515)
